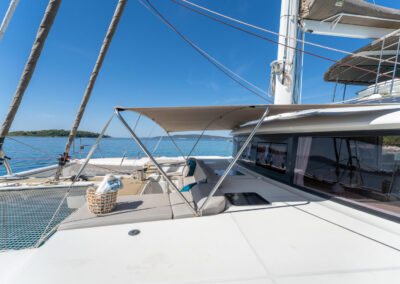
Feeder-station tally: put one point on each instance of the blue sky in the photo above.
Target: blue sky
(147, 64)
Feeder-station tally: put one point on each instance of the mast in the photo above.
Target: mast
(42, 33)
(103, 51)
(283, 67)
(7, 17)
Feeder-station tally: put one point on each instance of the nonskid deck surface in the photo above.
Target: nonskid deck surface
(297, 238)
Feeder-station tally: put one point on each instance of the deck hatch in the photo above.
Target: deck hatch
(246, 198)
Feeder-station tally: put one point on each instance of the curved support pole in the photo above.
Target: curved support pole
(148, 154)
(176, 146)
(233, 162)
(195, 144)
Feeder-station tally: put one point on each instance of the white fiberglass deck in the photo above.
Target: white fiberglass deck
(298, 238)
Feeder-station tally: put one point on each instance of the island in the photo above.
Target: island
(55, 133)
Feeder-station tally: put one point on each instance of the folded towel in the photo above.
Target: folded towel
(109, 184)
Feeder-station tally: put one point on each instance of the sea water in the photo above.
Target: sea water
(28, 153)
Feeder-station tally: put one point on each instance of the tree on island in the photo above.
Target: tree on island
(55, 133)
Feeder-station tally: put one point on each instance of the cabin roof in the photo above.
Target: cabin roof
(348, 119)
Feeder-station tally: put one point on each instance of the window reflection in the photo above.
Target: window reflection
(364, 169)
(272, 155)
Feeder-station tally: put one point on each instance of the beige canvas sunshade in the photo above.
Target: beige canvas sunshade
(343, 73)
(180, 119)
(369, 14)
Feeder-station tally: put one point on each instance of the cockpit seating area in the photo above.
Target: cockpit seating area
(156, 206)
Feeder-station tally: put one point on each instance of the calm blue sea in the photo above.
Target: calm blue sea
(42, 151)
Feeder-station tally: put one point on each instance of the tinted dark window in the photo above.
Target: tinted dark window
(272, 156)
(363, 169)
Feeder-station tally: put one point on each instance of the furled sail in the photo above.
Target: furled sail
(352, 12)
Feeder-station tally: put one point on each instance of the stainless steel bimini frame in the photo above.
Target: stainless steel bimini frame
(148, 154)
(233, 162)
(200, 210)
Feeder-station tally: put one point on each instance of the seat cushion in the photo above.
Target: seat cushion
(197, 177)
(196, 197)
(208, 172)
(129, 209)
(216, 204)
(178, 206)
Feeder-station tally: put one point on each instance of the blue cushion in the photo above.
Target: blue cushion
(188, 187)
(192, 167)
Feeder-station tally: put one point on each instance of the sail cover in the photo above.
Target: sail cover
(372, 15)
(343, 73)
(179, 119)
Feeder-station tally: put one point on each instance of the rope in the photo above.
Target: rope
(29, 69)
(281, 35)
(32, 164)
(93, 77)
(205, 55)
(276, 42)
(101, 167)
(19, 158)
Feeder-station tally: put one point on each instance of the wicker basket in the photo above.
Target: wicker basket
(101, 203)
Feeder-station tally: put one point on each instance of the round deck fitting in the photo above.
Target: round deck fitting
(134, 232)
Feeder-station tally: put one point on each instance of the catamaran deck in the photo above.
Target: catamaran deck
(297, 238)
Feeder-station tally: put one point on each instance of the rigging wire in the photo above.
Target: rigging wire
(276, 42)
(34, 148)
(148, 137)
(212, 60)
(281, 35)
(8, 16)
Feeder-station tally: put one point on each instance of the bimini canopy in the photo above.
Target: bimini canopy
(180, 119)
(344, 74)
(351, 12)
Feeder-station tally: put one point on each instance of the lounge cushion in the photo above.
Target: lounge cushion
(179, 208)
(216, 204)
(129, 209)
(197, 177)
(212, 177)
(196, 197)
